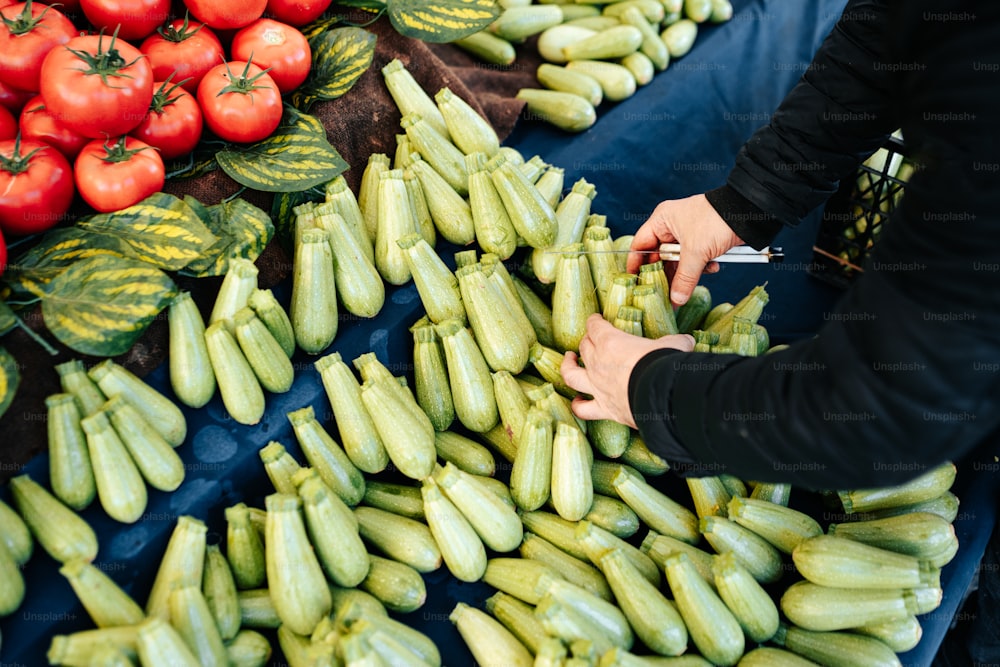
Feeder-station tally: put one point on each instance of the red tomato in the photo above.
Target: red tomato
(13, 99)
(3, 254)
(296, 12)
(36, 186)
(184, 48)
(37, 123)
(240, 102)
(223, 14)
(27, 33)
(8, 125)
(134, 19)
(173, 123)
(96, 85)
(7, 3)
(280, 48)
(116, 173)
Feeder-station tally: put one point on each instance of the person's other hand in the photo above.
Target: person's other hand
(698, 228)
(609, 355)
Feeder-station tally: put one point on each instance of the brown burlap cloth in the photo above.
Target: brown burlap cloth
(363, 121)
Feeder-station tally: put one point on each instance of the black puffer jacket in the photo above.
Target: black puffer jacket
(906, 372)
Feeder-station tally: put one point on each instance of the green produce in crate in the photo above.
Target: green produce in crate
(219, 589)
(532, 215)
(469, 131)
(432, 390)
(191, 375)
(273, 315)
(519, 618)
(61, 532)
(772, 492)
(552, 41)
(488, 47)
(239, 388)
(595, 541)
(469, 378)
(300, 652)
(357, 431)
(518, 23)
(837, 649)
(79, 648)
(488, 640)
(839, 562)
(752, 551)
(617, 81)
(399, 499)
(263, 352)
(399, 538)
(652, 46)
(573, 297)
(114, 379)
(691, 315)
(343, 202)
(464, 453)
(550, 184)
(156, 460)
(655, 620)
(248, 649)
(768, 656)
(822, 608)
(552, 652)
(712, 627)
(410, 97)
(571, 219)
(461, 548)
(640, 66)
(531, 474)
(496, 523)
(572, 490)
(333, 533)
(280, 466)
(709, 495)
(501, 329)
(922, 535)
(193, 620)
(493, 228)
(656, 509)
(397, 585)
(13, 586)
(359, 285)
(750, 604)
(158, 644)
(435, 282)
(519, 577)
(368, 191)
(439, 152)
(295, 579)
(657, 317)
(560, 79)
(70, 473)
(660, 547)
(234, 293)
(783, 527)
(257, 609)
(901, 635)
(567, 624)
(449, 210)
(614, 42)
(106, 603)
(121, 489)
(108, 655)
(73, 379)
(930, 484)
(582, 573)
(182, 564)
(679, 36)
(326, 456)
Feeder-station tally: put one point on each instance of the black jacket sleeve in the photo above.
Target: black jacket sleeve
(838, 114)
(905, 373)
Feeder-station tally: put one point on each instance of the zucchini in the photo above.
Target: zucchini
(537, 311)
(326, 456)
(521, 578)
(358, 283)
(571, 219)
(651, 11)
(518, 23)
(574, 298)
(837, 649)
(919, 534)
(488, 47)
(244, 548)
(657, 510)
(396, 218)
(494, 230)
(408, 437)
(691, 315)
(242, 395)
(158, 644)
(659, 547)
(114, 379)
(191, 375)
(71, 475)
(295, 579)
(569, 625)
(557, 78)
(399, 499)
(712, 627)
(657, 316)
(641, 67)
(432, 390)
(901, 635)
(603, 615)
(410, 97)
(496, 523)
(357, 430)
(396, 585)
(519, 618)
(274, 317)
(710, 496)
(772, 492)
(469, 377)
(930, 484)
(550, 183)
(783, 527)
(614, 42)
(488, 640)
(698, 10)
(580, 572)
(552, 41)
(370, 179)
(193, 621)
(571, 489)
(182, 564)
(74, 379)
(333, 531)
(641, 459)
(617, 81)
(651, 46)
(821, 608)
(594, 541)
(219, 589)
(503, 338)
(469, 131)
(280, 466)
(839, 562)
(399, 538)
(248, 649)
(752, 606)
(449, 211)
(752, 551)
(238, 284)
(120, 487)
(461, 547)
(156, 460)
(79, 649)
(533, 217)
(464, 453)
(439, 152)
(768, 656)
(342, 201)
(13, 589)
(257, 609)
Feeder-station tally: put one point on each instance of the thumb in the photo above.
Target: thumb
(686, 277)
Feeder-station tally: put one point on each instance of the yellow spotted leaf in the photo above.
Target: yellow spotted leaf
(243, 231)
(30, 274)
(10, 378)
(339, 57)
(161, 230)
(100, 306)
(441, 21)
(296, 156)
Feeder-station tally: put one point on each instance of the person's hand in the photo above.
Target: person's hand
(609, 355)
(697, 227)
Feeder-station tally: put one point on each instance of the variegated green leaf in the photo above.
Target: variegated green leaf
(100, 306)
(161, 230)
(441, 21)
(340, 57)
(243, 231)
(318, 27)
(29, 275)
(296, 156)
(10, 378)
(8, 320)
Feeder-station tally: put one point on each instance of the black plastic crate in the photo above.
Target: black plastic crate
(855, 215)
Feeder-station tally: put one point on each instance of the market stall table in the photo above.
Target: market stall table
(675, 137)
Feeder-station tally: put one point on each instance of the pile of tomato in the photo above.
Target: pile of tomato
(96, 106)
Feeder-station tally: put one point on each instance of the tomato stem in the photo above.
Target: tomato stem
(24, 22)
(105, 63)
(172, 34)
(17, 163)
(117, 152)
(243, 84)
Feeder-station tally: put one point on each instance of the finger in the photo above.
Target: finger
(645, 239)
(588, 409)
(575, 376)
(689, 270)
(713, 267)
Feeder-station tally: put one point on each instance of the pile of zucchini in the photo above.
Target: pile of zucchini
(594, 51)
